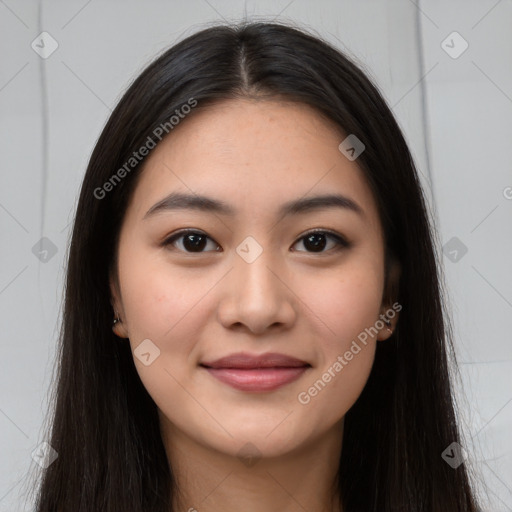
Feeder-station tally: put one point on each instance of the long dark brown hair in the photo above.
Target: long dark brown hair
(104, 425)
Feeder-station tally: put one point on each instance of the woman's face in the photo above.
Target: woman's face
(252, 280)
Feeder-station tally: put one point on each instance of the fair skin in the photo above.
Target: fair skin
(205, 304)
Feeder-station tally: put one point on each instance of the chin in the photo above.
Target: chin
(266, 439)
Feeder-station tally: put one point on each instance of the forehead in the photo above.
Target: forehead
(255, 156)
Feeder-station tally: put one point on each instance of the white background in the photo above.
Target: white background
(455, 113)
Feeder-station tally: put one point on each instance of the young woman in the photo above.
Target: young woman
(253, 316)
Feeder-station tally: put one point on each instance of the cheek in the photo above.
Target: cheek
(348, 305)
(167, 307)
(347, 301)
(159, 300)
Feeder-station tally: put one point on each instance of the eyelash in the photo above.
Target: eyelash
(341, 242)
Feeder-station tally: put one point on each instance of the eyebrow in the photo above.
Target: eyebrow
(179, 201)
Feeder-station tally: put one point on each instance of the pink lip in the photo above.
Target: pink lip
(256, 373)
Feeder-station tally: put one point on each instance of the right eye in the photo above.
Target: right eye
(191, 241)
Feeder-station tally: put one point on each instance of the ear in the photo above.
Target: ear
(390, 308)
(119, 328)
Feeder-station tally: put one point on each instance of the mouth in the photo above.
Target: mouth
(261, 373)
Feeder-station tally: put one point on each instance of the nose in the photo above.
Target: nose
(257, 297)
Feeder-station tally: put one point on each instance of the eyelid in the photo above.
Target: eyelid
(330, 232)
(168, 240)
(342, 242)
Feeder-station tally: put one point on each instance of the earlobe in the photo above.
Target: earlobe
(388, 320)
(118, 326)
(388, 323)
(119, 330)
(390, 309)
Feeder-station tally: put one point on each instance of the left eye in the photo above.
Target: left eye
(316, 240)
(195, 241)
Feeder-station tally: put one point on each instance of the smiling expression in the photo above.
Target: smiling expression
(217, 257)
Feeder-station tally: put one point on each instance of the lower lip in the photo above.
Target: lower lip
(258, 379)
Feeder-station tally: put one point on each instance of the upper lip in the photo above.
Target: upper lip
(245, 361)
